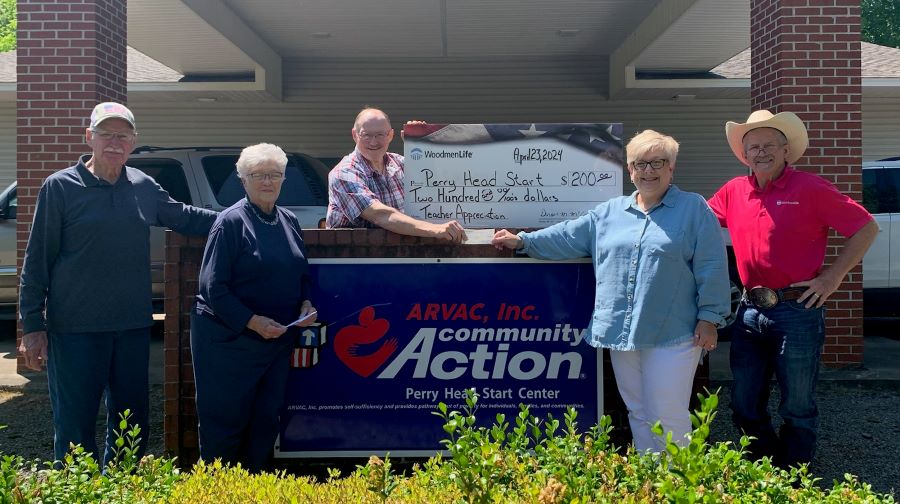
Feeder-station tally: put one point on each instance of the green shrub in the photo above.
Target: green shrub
(373, 483)
(535, 462)
(82, 479)
(546, 461)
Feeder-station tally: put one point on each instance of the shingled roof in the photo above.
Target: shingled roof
(141, 68)
(877, 61)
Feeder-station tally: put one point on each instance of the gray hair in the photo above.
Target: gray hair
(649, 140)
(258, 154)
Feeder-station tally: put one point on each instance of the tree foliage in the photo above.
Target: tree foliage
(881, 22)
(7, 25)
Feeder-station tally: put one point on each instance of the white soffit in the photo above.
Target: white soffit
(539, 27)
(708, 33)
(346, 28)
(440, 28)
(681, 36)
(204, 38)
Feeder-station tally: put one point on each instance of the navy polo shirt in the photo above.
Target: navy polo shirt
(88, 255)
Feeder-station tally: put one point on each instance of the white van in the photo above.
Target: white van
(881, 264)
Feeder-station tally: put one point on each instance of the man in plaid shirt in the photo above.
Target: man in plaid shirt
(366, 188)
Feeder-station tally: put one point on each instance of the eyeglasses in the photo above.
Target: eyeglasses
(259, 177)
(380, 136)
(108, 136)
(656, 164)
(755, 150)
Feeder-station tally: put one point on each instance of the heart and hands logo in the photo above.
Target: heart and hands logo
(347, 343)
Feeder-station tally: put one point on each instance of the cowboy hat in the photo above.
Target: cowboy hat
(785, 122)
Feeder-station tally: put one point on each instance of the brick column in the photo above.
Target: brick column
(806, 59)
(71, 56)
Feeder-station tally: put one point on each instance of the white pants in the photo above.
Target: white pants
(655, 384)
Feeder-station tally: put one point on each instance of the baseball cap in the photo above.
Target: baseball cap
(111, 110)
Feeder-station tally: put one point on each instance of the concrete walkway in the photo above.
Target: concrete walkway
(10, 378)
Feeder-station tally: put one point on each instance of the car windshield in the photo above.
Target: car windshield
(302, 186)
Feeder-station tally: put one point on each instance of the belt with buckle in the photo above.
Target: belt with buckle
(765, 298)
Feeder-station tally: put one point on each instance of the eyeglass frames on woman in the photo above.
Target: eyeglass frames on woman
(258, 177)
(655, 164)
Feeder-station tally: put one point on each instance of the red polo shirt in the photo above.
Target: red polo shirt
(779, 233)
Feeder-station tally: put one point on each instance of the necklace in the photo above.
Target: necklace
(272, 222)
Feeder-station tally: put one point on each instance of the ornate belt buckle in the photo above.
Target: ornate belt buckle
(762, 297)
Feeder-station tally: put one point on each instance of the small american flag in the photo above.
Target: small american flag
(304, 357)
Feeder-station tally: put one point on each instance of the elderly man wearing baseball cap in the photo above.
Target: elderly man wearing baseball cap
(779, 219)
(85, 296)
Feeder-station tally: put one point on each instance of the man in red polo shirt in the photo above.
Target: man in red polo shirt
(779, 219)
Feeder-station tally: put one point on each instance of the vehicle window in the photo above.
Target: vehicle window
(168, 173)
(889, 187)
(870, 191)
(301, 187)
(330, 162)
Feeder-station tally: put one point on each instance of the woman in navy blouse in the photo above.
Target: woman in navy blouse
(662, 285)
(253, 280)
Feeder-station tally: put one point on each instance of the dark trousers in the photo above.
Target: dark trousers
(82, 367)
(786, 341)
(241, 383)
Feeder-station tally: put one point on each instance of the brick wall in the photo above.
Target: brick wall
(183, 258)
(71, 56)
(806, 59)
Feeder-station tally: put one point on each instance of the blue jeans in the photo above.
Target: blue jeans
(786, 341)
(81, 368)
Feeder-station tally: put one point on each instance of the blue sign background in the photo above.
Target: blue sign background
(332, 410)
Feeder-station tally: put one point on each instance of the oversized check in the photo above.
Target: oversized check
(510, 175)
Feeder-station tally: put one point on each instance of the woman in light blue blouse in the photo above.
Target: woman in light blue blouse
(662, 285)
